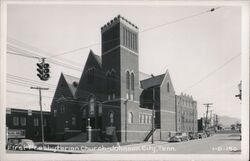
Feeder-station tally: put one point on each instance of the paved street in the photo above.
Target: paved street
(216, 144)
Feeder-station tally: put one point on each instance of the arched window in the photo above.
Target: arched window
(91, 105)
(113, 83)
(130, 117)
(143, 119)
(146, 119)
(84, 113)
(111, 117)
(168, 87)
(100, 109)
(73, 120)
(108, 80)
(150, 119)
(90, 75)
(132, 85)
(128, 84)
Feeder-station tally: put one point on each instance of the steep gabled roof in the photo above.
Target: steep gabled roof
(143, 76)
(154, 81)
(97, 58)
(72, 83)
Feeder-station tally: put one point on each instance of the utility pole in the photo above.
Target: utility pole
(206, 119)
(153, 116)
(194, 119)
(41, 110)
(211, 118)
(153, 112)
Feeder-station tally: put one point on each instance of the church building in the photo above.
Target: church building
(112, 97)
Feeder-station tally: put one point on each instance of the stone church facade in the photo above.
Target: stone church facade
(112, 96)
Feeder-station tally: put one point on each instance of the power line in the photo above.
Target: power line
(143, 31)
(211, 73)
(59, 63)
(74, 50)
(36, 49)
(109, 41)
(178, 20)
(27, 56)
(24, 93)
(29, 80)
(20, 83)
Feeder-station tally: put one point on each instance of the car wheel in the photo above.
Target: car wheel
(20, 148)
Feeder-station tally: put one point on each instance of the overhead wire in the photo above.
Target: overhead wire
(27, 56)
(109, 41)
(59, 63)
(143, 31)
(212, 72)
(11, 76)
(16, 42)
(148, 29)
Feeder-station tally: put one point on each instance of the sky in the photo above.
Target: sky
(189, 49)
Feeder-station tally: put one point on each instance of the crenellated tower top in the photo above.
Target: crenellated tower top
(119, 19)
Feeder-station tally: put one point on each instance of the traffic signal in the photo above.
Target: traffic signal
(46, 71)
(43, 70)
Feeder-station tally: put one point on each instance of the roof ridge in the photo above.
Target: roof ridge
(97, 57)
(154, 77)
(70, 75)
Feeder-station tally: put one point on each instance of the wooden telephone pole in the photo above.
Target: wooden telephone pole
(41, 109)
(206, 120)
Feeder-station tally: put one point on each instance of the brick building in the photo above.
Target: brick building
(112, 96)
(22, 123)
(186, 113)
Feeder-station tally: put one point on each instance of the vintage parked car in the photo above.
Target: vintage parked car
(192, 136)
(26, 144)
(202, 135)
(11, 144)
(178, 137)
(174, 139)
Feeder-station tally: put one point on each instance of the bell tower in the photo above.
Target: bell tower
(120, 58)
(120, 65)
